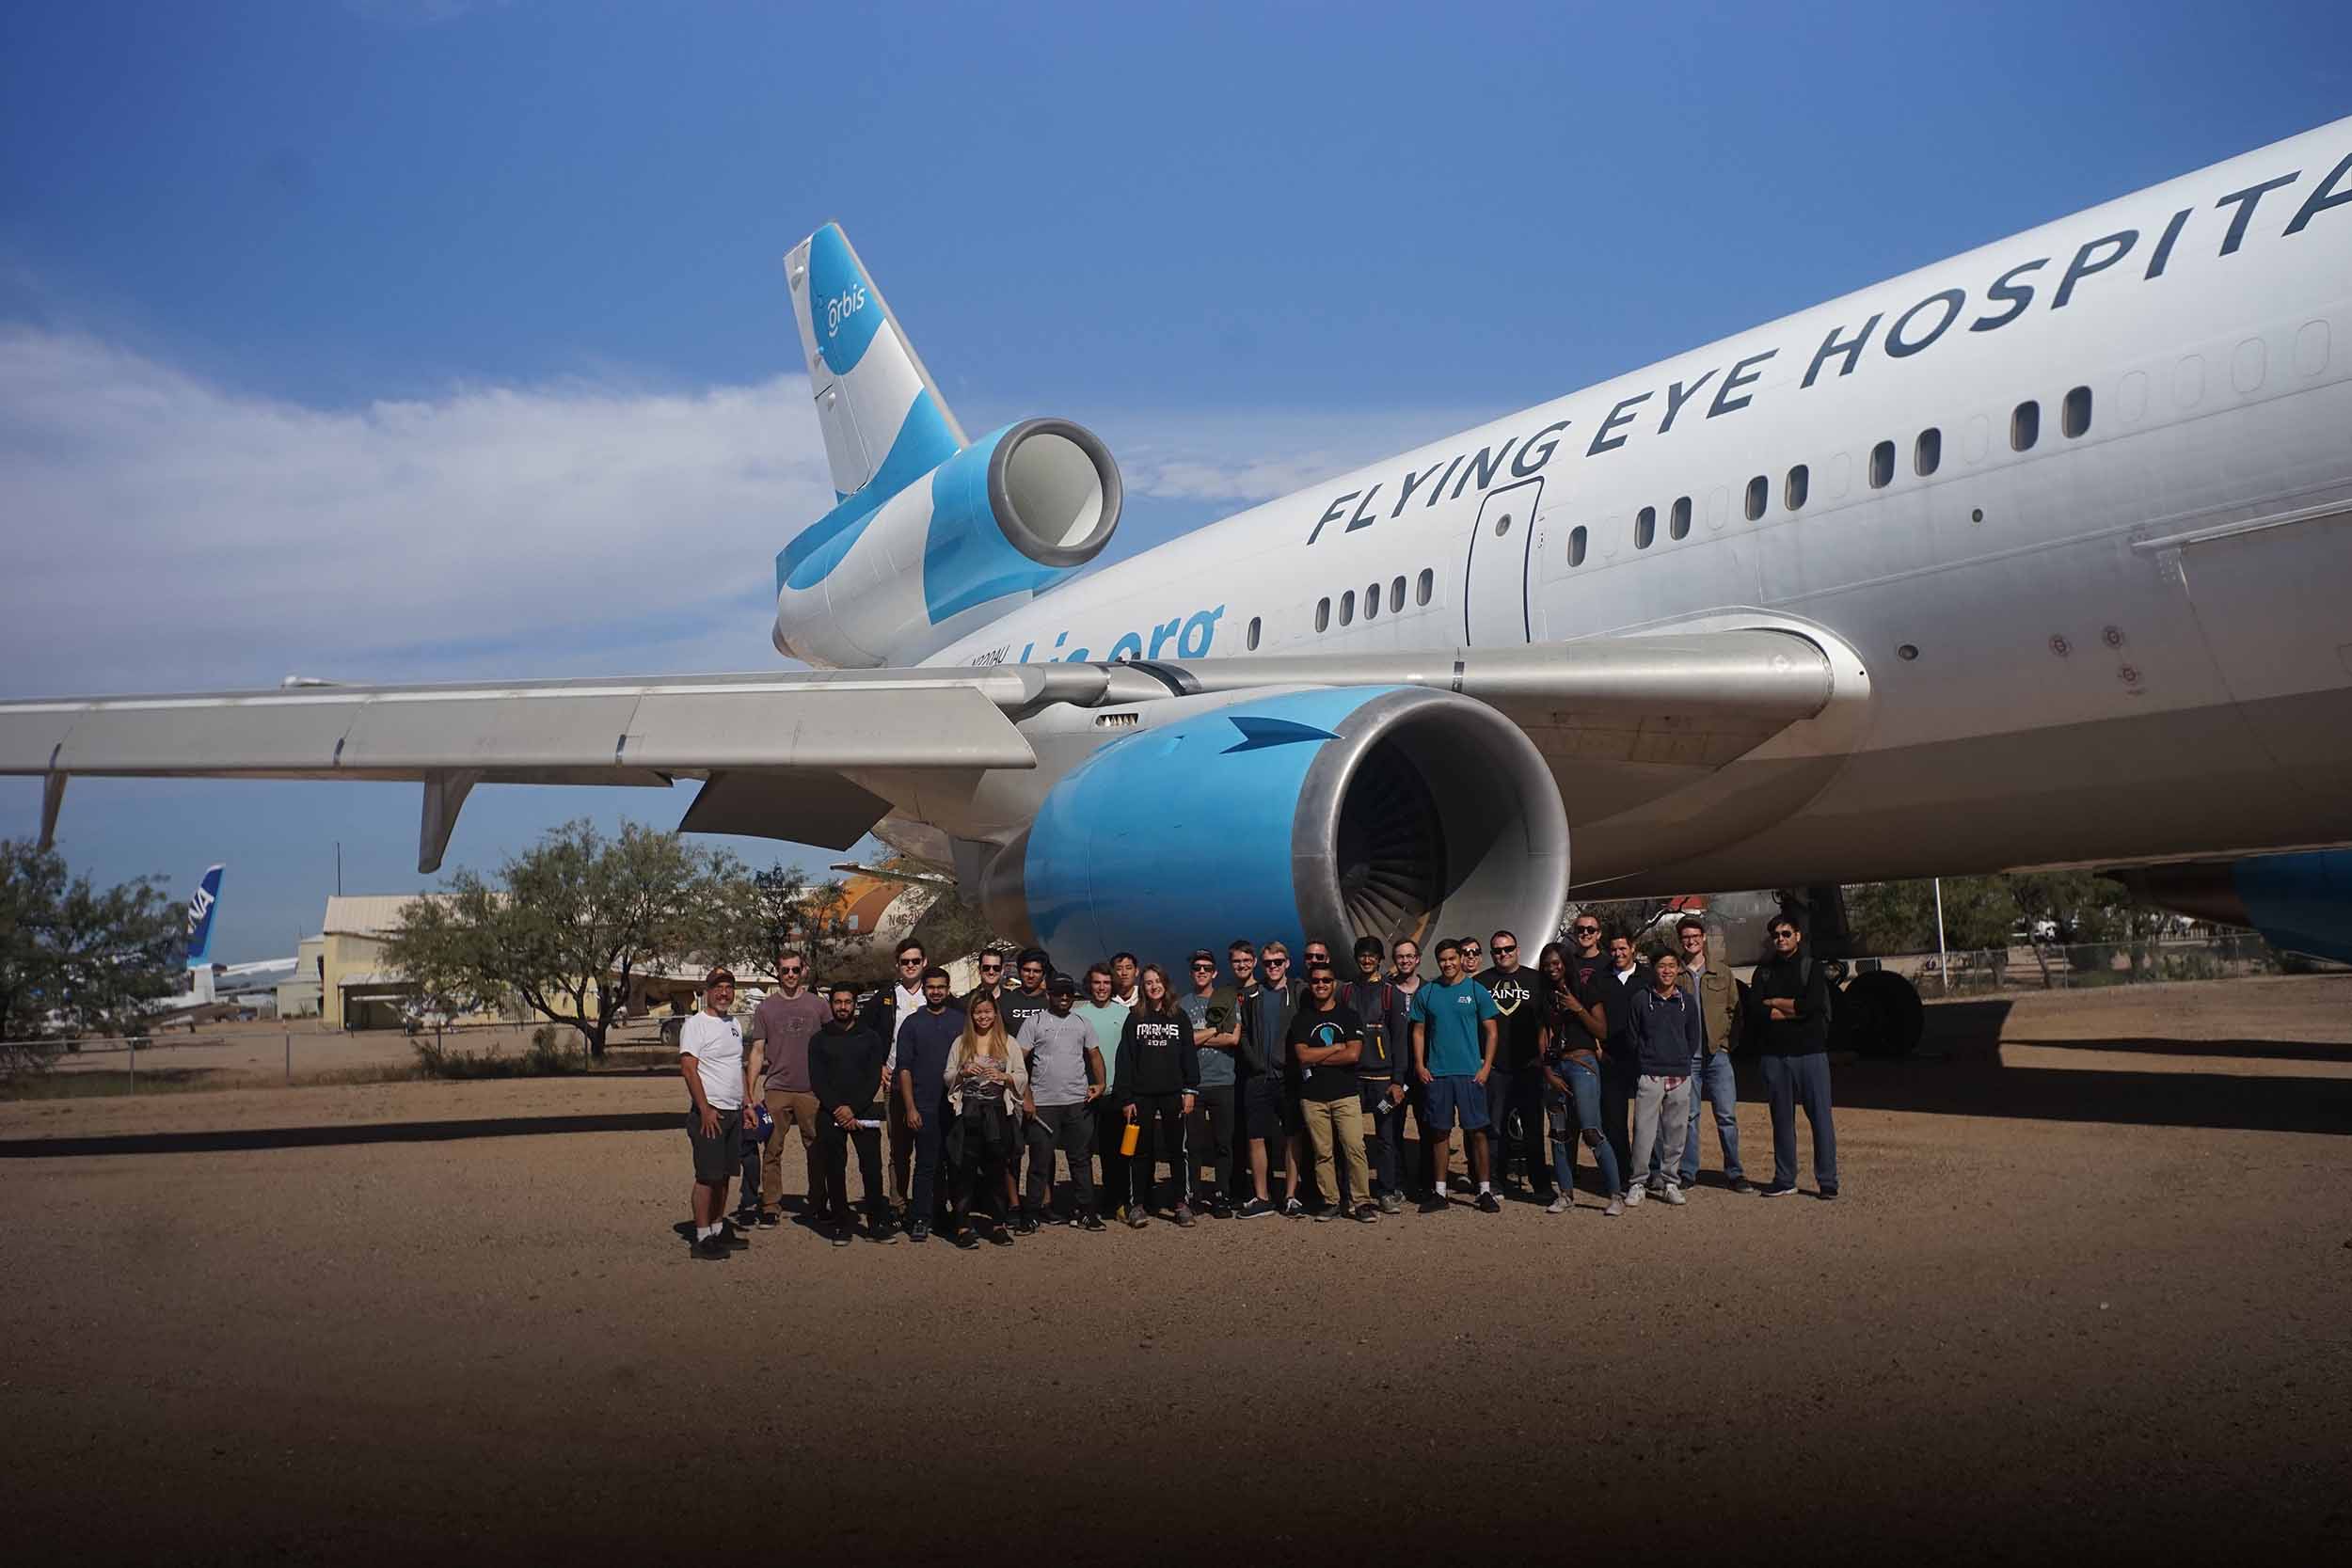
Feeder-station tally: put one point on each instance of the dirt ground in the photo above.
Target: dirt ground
(2087, 1288)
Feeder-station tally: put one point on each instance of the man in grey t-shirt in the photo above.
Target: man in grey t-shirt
(1065, 1079)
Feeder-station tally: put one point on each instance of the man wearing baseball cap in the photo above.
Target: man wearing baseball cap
(1065, 1080)
(1215, 1015)
(710, 1059)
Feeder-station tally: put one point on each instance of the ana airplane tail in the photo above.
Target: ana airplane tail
(883, 419)
(203, 907)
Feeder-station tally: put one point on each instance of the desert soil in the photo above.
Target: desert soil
(2087, 1289)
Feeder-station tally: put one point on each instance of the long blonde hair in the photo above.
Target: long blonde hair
(993, 1043)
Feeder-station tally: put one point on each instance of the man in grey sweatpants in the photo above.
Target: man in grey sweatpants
(1666, 1034)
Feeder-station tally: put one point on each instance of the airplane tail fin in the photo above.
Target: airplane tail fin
(882, 414)
(201, 909)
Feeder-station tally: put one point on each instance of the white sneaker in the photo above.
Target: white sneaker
(1633, 1199)
(1674, 1195)
(1559, 1205)
(1617, 1207)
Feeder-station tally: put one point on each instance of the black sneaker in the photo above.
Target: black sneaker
(966, 1239)
(745, 1218)
(1489, 1204)
(1778, 1189)
(884, 1233)
(1090, 1220)
(710, 1249)
(1435, 1203)
(1368, 1213)
(769, 1219)
(1256, 1209)
(1829, 1195)
(1219, 1208)
(1292, 1208)
(1741, 1184)
(919, 1231)
(1027, 1226)
(1324, 1214)
(841, 1236)
(1000, 1237)
(1053, 1216)
(733, 1237)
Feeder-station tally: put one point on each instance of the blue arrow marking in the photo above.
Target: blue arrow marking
(1258, 734)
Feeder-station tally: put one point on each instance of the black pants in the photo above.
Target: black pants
(978, 1142)
(833, 1153)
(1162, 1119)
(1110, 1126)
(1218, 1110)
(1071, 1130)
(1384, 1127)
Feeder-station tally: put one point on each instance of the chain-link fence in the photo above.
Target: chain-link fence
(2052, 966)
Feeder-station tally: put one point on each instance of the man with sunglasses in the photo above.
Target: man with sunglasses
(1515, 1090)
(1789, 1001)
(991, 968)
(1325, 1043)
(1267, 1000)
(786, 1019)
(1582, 1018)
(1216, 1032)
(884, 1012)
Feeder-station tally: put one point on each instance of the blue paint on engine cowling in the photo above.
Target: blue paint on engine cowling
(1180, 836)
(968, 556)
(2299, 903)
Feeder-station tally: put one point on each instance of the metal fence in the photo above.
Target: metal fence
(2049, 966)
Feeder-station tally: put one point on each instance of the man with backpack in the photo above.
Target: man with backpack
(1789, 1001)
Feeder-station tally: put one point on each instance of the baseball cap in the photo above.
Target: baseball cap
(1061, 985)
(1201, 954)
(717, 974)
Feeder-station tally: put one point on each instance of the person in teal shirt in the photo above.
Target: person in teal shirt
(1453, 1049)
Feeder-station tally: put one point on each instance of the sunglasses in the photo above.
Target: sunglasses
(1588, 931)
(1506, 947)
(789, 969)
(1278, 961)
(910, 963)
(1207, 966)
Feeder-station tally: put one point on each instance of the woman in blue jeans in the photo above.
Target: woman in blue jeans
(1572, 1084)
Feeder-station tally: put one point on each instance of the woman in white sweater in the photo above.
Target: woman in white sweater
(987, 1083)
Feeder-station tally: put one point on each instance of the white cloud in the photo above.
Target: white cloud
(166, 532)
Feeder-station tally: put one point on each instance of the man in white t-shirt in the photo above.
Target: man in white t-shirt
(710, 1059)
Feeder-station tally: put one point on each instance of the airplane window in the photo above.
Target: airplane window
(1800, 482)
(1645, 528)
(1882, 465)
(1347, 607)
(1253, 634)
(1681, 527)
(1397, 596)
(1927, 451)
(1758, 488)
(2076, 417)
(1372, 601)
(1323, 615)
(2025, 426)
(1427, 585)
(1576, 545)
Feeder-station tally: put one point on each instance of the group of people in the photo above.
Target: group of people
(1303, 1077)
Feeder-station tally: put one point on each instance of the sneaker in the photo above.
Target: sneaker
(1673, 1194)
(746, 1219)
(1053, 1216)
(733, 1237)
(1220, 1209)
(1827, 1194)
(1741, 1184)
(885, 1235)
(1000, 1237)
(1024, 1226)
(1292, 1208)
(1391, 1204)
(710, 1249)
(1090, 1220)
(841, 1236)
(1489, 1204)
(1559, 1205)
(919, 1231)
(966, 1239)
(1256, 1209)
(1435, 1203)
(1778, 1189)
(1136, 1219)
(1325, 1213)
(1182, 1216)
(769, 1219)
(1631, 1199)
(1617, 1207)
(1366, 1214)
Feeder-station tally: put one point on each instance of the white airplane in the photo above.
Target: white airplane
(214, 991)
(2037, 556)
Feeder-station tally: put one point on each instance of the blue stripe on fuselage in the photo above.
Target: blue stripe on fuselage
(923, 444)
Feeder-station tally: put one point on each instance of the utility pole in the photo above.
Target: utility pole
(339, 868)
(1943, 957)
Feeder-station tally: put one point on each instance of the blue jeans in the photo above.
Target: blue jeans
(1787, 1081)
(1711, 1081)
(1575, 1113)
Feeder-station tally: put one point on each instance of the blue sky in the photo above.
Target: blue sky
(431, 341)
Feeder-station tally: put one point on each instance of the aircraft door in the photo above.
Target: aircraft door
(1495, 579)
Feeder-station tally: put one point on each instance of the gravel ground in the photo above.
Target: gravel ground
(2085, 1291)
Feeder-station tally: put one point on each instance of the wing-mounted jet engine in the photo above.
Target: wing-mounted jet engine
(932, 533)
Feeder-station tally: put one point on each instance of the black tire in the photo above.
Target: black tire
(1879, 1014)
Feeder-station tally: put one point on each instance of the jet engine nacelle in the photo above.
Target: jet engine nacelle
(893, 579)
(1333, 813)
(2301, 903)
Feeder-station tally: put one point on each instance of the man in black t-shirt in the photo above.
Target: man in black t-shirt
(1326, 1042)
(1515, 1088)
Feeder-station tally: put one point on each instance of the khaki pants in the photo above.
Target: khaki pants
(1343, 1120)
(798, 1111)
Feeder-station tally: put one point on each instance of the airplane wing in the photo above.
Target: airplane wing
(776, 747)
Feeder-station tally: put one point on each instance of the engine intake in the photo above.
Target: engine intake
(1387, 812)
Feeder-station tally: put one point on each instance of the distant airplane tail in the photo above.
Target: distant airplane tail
(882, 415)
(201, 909)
